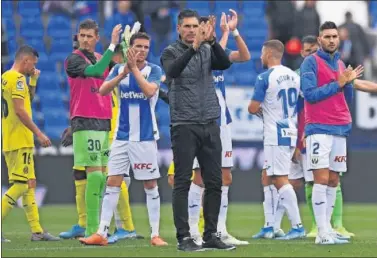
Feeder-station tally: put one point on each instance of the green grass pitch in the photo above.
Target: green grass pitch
(243, 221)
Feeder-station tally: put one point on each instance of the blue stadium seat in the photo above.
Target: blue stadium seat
(197, 5)
(99, 48)
(60, 50)
(59, 26)
(7, 9)
(9, 27)
(29, 8)
(48, 81)
(55, 132)
(253, 4)
(12, 47)
(31, 27)
(224, 6)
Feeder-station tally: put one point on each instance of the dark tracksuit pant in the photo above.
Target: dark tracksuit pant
(201, 141)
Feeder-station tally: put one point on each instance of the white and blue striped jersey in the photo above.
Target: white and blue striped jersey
(278, 89)
(218, 78)
(136, 117)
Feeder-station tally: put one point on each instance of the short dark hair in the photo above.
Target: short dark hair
(276, 45)
(139, 35)
(118, 49)
(203, 19)
(348, 15)
(328, 25)
(26, 50)
(187, 13)
(310, 39)
(89, 24)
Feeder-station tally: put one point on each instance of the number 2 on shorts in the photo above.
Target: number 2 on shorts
(315, 148)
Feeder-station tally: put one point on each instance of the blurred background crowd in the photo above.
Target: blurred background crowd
(49, 25)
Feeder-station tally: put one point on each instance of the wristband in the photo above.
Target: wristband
(33, 82)
(235, 33)
(112, 47)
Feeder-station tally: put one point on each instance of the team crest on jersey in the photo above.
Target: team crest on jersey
(26, 170)
(314, 160)
(20, 85)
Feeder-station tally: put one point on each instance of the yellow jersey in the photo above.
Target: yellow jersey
(15, 134)
(115, 110)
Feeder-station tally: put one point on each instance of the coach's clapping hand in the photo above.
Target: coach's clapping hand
(210, 29)
(200, 36)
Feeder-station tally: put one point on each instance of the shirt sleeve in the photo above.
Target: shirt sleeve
(155, 75)
(348, 93)
(76, 66)
(308, 82)
(261, 85)
(19, 88)
(228, 51)
(113, 73)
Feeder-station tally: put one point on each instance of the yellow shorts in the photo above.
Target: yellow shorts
(171, 171)
(20, 164)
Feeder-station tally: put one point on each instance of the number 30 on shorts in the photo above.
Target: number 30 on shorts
(94, 145)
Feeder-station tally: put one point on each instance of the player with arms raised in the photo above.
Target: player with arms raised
(136, 135)
(276, 93)
(90, 113)
(18, 143)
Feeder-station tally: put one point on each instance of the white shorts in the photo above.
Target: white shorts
(300, 170)
(226, 142)
(142, 156)
(326, 151)
(278, 160)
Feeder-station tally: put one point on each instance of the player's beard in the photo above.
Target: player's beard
(331, 52)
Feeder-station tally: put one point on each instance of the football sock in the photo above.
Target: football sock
(10, 198)
(123, 211)
(319, 200)
(331, 196)
(279, 214)
(270, 197)
(308, 195)
(221, 224)
(194, 205)
(337, 216)
(288, 199)
(110, 201)
(80, 186)
(92, 200)
(153, 205)
(31, 210)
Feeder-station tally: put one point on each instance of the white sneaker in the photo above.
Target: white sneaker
(324, 239)
(231, 240)
(197, 239)
(339, 236)
(328, 239)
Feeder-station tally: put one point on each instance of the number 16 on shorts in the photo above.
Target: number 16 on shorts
(326, 151)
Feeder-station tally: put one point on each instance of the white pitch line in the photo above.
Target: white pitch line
(301, 242)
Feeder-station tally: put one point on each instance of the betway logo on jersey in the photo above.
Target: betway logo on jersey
(219, 78)
(132, 95)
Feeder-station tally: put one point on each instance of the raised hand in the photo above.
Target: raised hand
(232, 20)
(199, 38)
(210, 29)
(132, 58)
(224, 26)
(115, 35)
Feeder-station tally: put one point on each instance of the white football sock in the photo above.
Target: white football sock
(288, 198)
(153, 205)
(269, 205)
(331, 197)
(319, 200)
(279, 214)
(194, 204)
(221, 224)
(109, 204)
